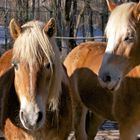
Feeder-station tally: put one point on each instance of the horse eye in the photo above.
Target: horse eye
(48, 66)
(129, 38)
(126, 39)
(15, 64)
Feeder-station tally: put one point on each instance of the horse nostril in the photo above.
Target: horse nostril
(22, 116)
(107, 78)
(40, 116)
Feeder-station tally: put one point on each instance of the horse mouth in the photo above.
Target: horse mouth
(112, 86)
(30, 127)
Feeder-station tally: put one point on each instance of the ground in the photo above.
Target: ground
(107, 135)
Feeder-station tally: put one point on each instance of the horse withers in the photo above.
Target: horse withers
(35, 94)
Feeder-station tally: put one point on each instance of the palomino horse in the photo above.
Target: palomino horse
(82, 65)
(35, 94)
(119, 73)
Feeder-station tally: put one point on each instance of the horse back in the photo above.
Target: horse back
(88, 54)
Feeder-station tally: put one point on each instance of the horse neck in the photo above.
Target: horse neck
(64, 106)
(130, 85)
(134, 73)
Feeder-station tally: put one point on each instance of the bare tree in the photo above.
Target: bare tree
(72, 42)
(33, 8)
(73, 17)
(22, 6)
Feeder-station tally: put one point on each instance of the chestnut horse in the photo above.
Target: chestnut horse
(117, 93)
(35, 94)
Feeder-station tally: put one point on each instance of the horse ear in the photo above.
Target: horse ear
(49, 28)
(111, 5)
(136, 11)
(6, 87)
(15, 29)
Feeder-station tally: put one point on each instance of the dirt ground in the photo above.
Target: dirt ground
(102, 135)
(107, 135)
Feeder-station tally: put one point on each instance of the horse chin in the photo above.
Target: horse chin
(115, 86)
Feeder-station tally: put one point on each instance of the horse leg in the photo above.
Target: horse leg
(92, 124)
(79, 122)
(128, 132)
(79, 112)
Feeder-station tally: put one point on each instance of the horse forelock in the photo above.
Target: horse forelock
(32, 46)
(32, 42)
(121, 21)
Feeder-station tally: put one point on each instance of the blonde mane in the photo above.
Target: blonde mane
(33, 45)
(119, 23)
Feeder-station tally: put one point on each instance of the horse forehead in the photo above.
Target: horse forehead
(123, 11)
(30, 67)
(120, 20)
(30, 24)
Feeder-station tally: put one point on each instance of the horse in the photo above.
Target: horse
(35, 93)
(82, 65)
(107, 75)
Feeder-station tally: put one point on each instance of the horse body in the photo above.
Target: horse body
(35, 92)
(82, 65)
(126, 105)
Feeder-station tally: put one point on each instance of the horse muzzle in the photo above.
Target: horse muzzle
(106, 80)
(32, 120)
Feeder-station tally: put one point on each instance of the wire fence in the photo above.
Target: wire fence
(6, 41)
(82, 38)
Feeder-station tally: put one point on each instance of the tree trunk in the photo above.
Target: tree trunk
(91, 25)
(72, 42)
(33, 9)
(79, 20)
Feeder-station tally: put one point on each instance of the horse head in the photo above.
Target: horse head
(122, 51)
